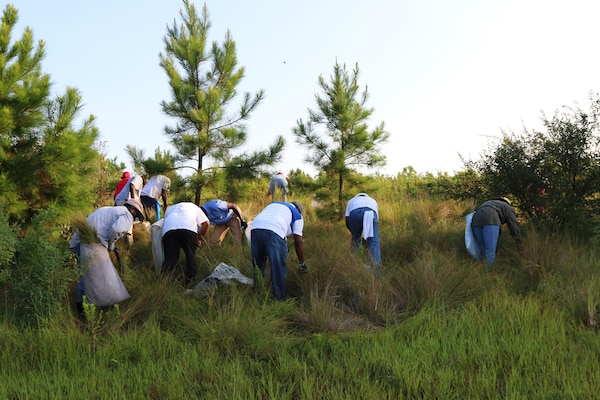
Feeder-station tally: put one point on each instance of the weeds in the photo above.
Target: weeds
(431, 324)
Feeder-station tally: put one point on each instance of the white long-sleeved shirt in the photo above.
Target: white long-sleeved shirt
(110, 224)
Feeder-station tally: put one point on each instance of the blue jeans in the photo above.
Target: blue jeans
(151, 203)
(355, 222)
(487, 238)
(267, 244)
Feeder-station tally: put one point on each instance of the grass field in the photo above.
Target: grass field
(432, 325)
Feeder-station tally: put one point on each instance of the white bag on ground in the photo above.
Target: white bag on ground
(158, 252)
(101, 282)
(470, 243)
(222, 274)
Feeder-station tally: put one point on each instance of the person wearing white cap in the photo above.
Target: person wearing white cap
(268, 236)
(156, 188)
(110, 224)
(362, 220)
(486, 223)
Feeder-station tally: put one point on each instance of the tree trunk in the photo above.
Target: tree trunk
(198, 185)
(340, 187)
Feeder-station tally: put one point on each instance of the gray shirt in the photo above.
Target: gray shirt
(497, 212)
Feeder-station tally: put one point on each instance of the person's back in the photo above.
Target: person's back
(184, 215)
(486, 224)
(497, 212)
(279, 218)
(155, 185)
(136, 183)
(122, 183)
(109, 222)
(362, 200)
(217, 211)
(155, 189)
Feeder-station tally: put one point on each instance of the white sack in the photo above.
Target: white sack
(158, 252)
(470, 243)
(102, 285)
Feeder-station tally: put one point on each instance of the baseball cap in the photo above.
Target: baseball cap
(138, 206)
(297, 205)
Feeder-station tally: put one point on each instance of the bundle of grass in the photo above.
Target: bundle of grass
(87, 233)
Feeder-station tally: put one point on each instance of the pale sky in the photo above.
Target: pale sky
(445, 76)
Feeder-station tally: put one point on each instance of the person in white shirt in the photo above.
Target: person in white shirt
(156, 188)
(268, 236)
(131, 190)
(362, 220)
(184, 225)
(110, 223)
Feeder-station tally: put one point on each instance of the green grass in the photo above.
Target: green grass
(432, 324)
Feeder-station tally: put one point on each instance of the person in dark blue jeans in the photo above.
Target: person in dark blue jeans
(486, 224)
(362, 220)
(268, 236)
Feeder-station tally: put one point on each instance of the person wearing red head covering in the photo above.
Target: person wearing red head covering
(124, 178)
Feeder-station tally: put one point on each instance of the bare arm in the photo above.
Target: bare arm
(236, 210)
(202, 229)
(164, 198)
(299, 247)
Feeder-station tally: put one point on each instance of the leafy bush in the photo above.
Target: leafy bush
(554, 175)
(39, 273)
(8, 245)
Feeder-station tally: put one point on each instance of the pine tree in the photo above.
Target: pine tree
(44, 160)
(23, 92)
(203, 83)
(345, 142)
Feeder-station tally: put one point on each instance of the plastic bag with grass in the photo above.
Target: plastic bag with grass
(471, 244)
(102, 284)
(158, 252)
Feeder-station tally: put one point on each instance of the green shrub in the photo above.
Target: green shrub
(40, 273)
(8, 245)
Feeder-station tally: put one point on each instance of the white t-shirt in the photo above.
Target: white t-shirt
(109, 222)
(277, 217)
(359, 201)
(137, 183)
(154, 187)
(184, 215)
